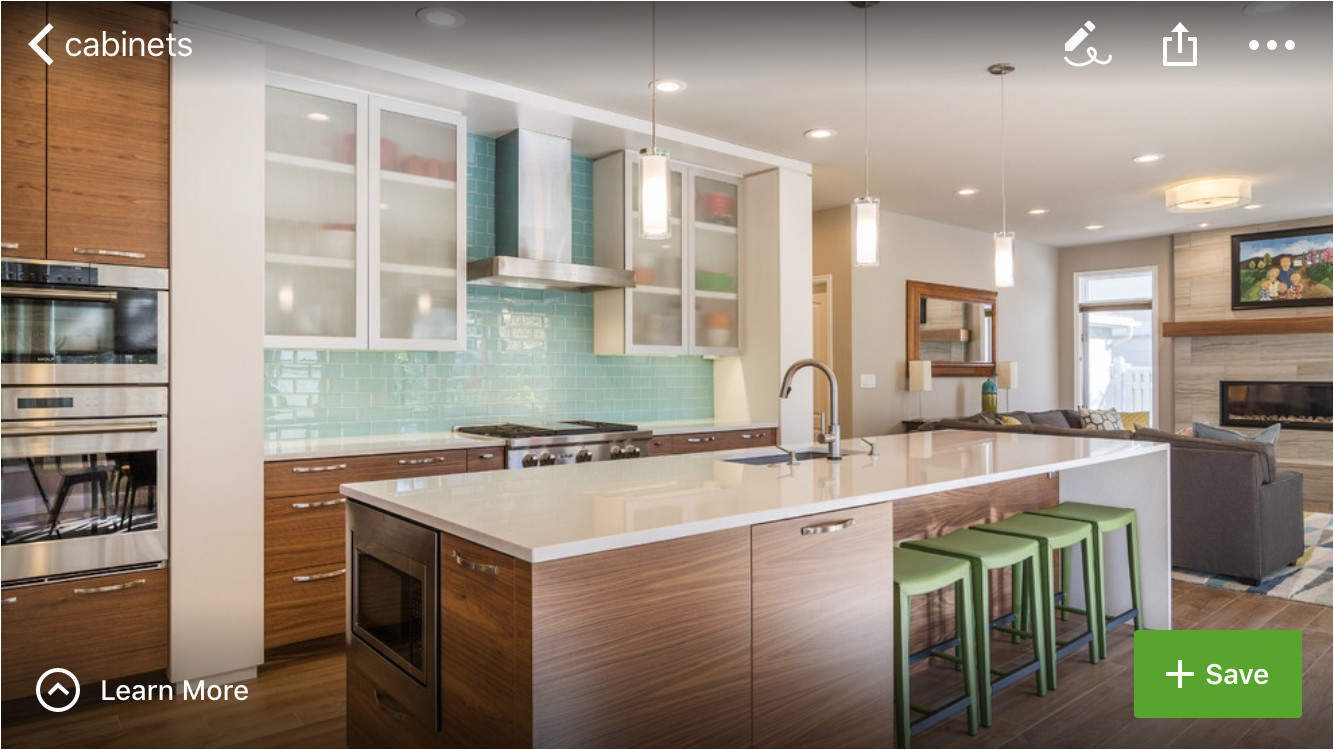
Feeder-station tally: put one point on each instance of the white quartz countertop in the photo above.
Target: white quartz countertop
(686, 426)
(549, 513)
(367, 445)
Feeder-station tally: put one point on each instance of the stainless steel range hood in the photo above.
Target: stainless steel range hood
(534, 221)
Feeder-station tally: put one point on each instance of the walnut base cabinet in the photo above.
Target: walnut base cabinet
(723, 440)
(99, 628)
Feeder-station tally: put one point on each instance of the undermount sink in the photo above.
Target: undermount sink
(782, 458)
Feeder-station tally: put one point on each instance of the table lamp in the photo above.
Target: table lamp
(1007, 377)
(919, 379)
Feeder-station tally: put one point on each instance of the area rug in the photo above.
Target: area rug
(1307, 581)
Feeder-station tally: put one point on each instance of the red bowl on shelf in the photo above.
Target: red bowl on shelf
(716, 321)
(719, 204)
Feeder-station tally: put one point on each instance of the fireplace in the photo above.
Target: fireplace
(1298, 405)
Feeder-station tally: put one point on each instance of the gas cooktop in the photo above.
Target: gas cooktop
(510, 431)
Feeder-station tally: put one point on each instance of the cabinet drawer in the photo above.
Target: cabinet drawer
(303, 531)
(381, 703)
(99, 628)
(324, 475)
(697, 442)
(486, 459)
(304, 604)
(660, 445)
(751, 438)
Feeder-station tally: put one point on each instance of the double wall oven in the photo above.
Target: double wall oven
(83, 436)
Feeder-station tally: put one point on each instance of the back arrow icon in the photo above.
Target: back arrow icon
(37, 39)
(58, 687)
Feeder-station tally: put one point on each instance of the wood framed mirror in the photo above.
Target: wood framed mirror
(954, 327)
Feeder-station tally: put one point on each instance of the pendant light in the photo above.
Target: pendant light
(1004, 240)
(655, 172)
(866, 210)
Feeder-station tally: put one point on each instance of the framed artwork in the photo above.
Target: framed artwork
(1289, 268)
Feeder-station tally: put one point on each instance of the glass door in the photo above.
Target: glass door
(417, 227)
(1117, 341)
(314, 198)
(716, 271)
(657, 304)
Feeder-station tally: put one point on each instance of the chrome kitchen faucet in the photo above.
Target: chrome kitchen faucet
(830, 438)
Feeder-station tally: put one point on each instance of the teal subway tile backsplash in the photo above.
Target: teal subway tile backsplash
(529, 357)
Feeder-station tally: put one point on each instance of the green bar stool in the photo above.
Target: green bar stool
(985, 553)
(1061, 534)
(917, 573)
(1104, 519)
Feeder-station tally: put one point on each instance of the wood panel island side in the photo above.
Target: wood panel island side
(691, 601)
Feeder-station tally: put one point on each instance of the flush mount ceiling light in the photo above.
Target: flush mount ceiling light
(1250, 206)
(1094, 227)
(1004, 239)
(655, 170)
(1211, 194)
(1037, 211)
(1147, 158)
(443, 18)
(820, 133)
(669, 85)
(866, 210)
(317, 117)
(967, 191)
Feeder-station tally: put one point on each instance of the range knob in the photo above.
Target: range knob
(632, 451)
(583, 456)
(530, 460)
(617, 452)
(546, 459)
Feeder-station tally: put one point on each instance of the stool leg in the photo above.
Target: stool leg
(1093, 613)
(1065, 580)
(982, 619)
(1132, 553)
(963, 629)
(1046, 608)
(1099, 584)
(1039, 625)
(902, 712)
(1017, 602)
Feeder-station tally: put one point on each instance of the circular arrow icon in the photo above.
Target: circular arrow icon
(58, 693)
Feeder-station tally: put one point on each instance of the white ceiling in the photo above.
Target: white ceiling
(759, 74)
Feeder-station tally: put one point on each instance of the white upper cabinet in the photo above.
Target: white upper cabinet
(685, 297)
(365, 221)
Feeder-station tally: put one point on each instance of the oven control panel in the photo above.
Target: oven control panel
(47, 273)
(527, 458)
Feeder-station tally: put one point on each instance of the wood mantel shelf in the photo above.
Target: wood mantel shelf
(1249, 326)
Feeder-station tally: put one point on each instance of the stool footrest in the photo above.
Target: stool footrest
(1072, 645)
(1007, 679)
(1117, 621)
(1013, 631)
(930, 651)
(940, 714)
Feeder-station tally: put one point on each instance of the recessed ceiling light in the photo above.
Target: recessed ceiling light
(441, 17)
(1264, 9)
(1202, 224)
(1250, 206)
(1147, 158)
(1094, 226)
(317, 117)
(967, 191)
(821, 133)
(1036, 211)
(669, 85)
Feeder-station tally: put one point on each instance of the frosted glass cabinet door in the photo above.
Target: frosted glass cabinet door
(717, 270)
(314, 200)
(417, 227)
(657, 303)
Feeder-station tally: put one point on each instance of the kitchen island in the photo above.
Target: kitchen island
(696, 601)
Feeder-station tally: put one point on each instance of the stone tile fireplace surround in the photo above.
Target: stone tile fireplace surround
(1201, 293)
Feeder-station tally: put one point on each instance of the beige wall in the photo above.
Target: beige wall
(870, 325)
(1154, 252)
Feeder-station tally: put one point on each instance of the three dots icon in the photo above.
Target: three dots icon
(1272, 44)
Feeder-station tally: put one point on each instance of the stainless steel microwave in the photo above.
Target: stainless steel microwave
(82, 324)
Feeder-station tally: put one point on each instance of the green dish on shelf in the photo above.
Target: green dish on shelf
(713, 282)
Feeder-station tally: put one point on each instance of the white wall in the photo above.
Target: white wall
(920, 250)
(217, 324)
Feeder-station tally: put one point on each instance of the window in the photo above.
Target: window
(1116, 323)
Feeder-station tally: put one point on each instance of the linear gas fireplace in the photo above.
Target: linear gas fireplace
(1300, 405)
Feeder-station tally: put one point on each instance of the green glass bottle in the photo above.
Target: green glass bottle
(990, 401)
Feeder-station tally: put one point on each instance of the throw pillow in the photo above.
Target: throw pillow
(1053, 418)
(1267, 435)
(1010, 421)
(1099, 419)
(1133, 419)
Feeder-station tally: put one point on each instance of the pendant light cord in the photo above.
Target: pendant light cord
(653, 84)
(1004, 212)
(866, 94)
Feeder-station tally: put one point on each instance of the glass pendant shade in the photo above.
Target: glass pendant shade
(866, 232)
(655, 195)
(1004, 259)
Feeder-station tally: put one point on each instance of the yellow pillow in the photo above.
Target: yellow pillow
(1011, 421)
(1134, 419)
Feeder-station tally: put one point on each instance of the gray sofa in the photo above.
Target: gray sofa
(1233, 511)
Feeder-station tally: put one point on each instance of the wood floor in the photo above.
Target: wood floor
(297, 700)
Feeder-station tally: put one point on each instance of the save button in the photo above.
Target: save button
(1249, 674)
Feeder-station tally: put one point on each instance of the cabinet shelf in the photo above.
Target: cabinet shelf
(720, 228)
(715, 295)
(305, 162)
(422, 180)
(313, 261)
(416, 270)
(666, 291)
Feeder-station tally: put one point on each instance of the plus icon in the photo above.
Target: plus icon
(1179, 674)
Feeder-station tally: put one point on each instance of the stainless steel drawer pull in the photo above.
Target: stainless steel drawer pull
(313, 469)
(76, 295)
(709, 439)
(419, 461)
(827, 528)
(319, 576)
(9, 600)
(493, 570)
(487, 456)
(752, 435)
(113, 253)
(395, 715)
(113, 587)
(78, 429)
(9, 245)
(325, 504)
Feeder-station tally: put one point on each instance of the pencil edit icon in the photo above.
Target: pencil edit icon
(1077, 39)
